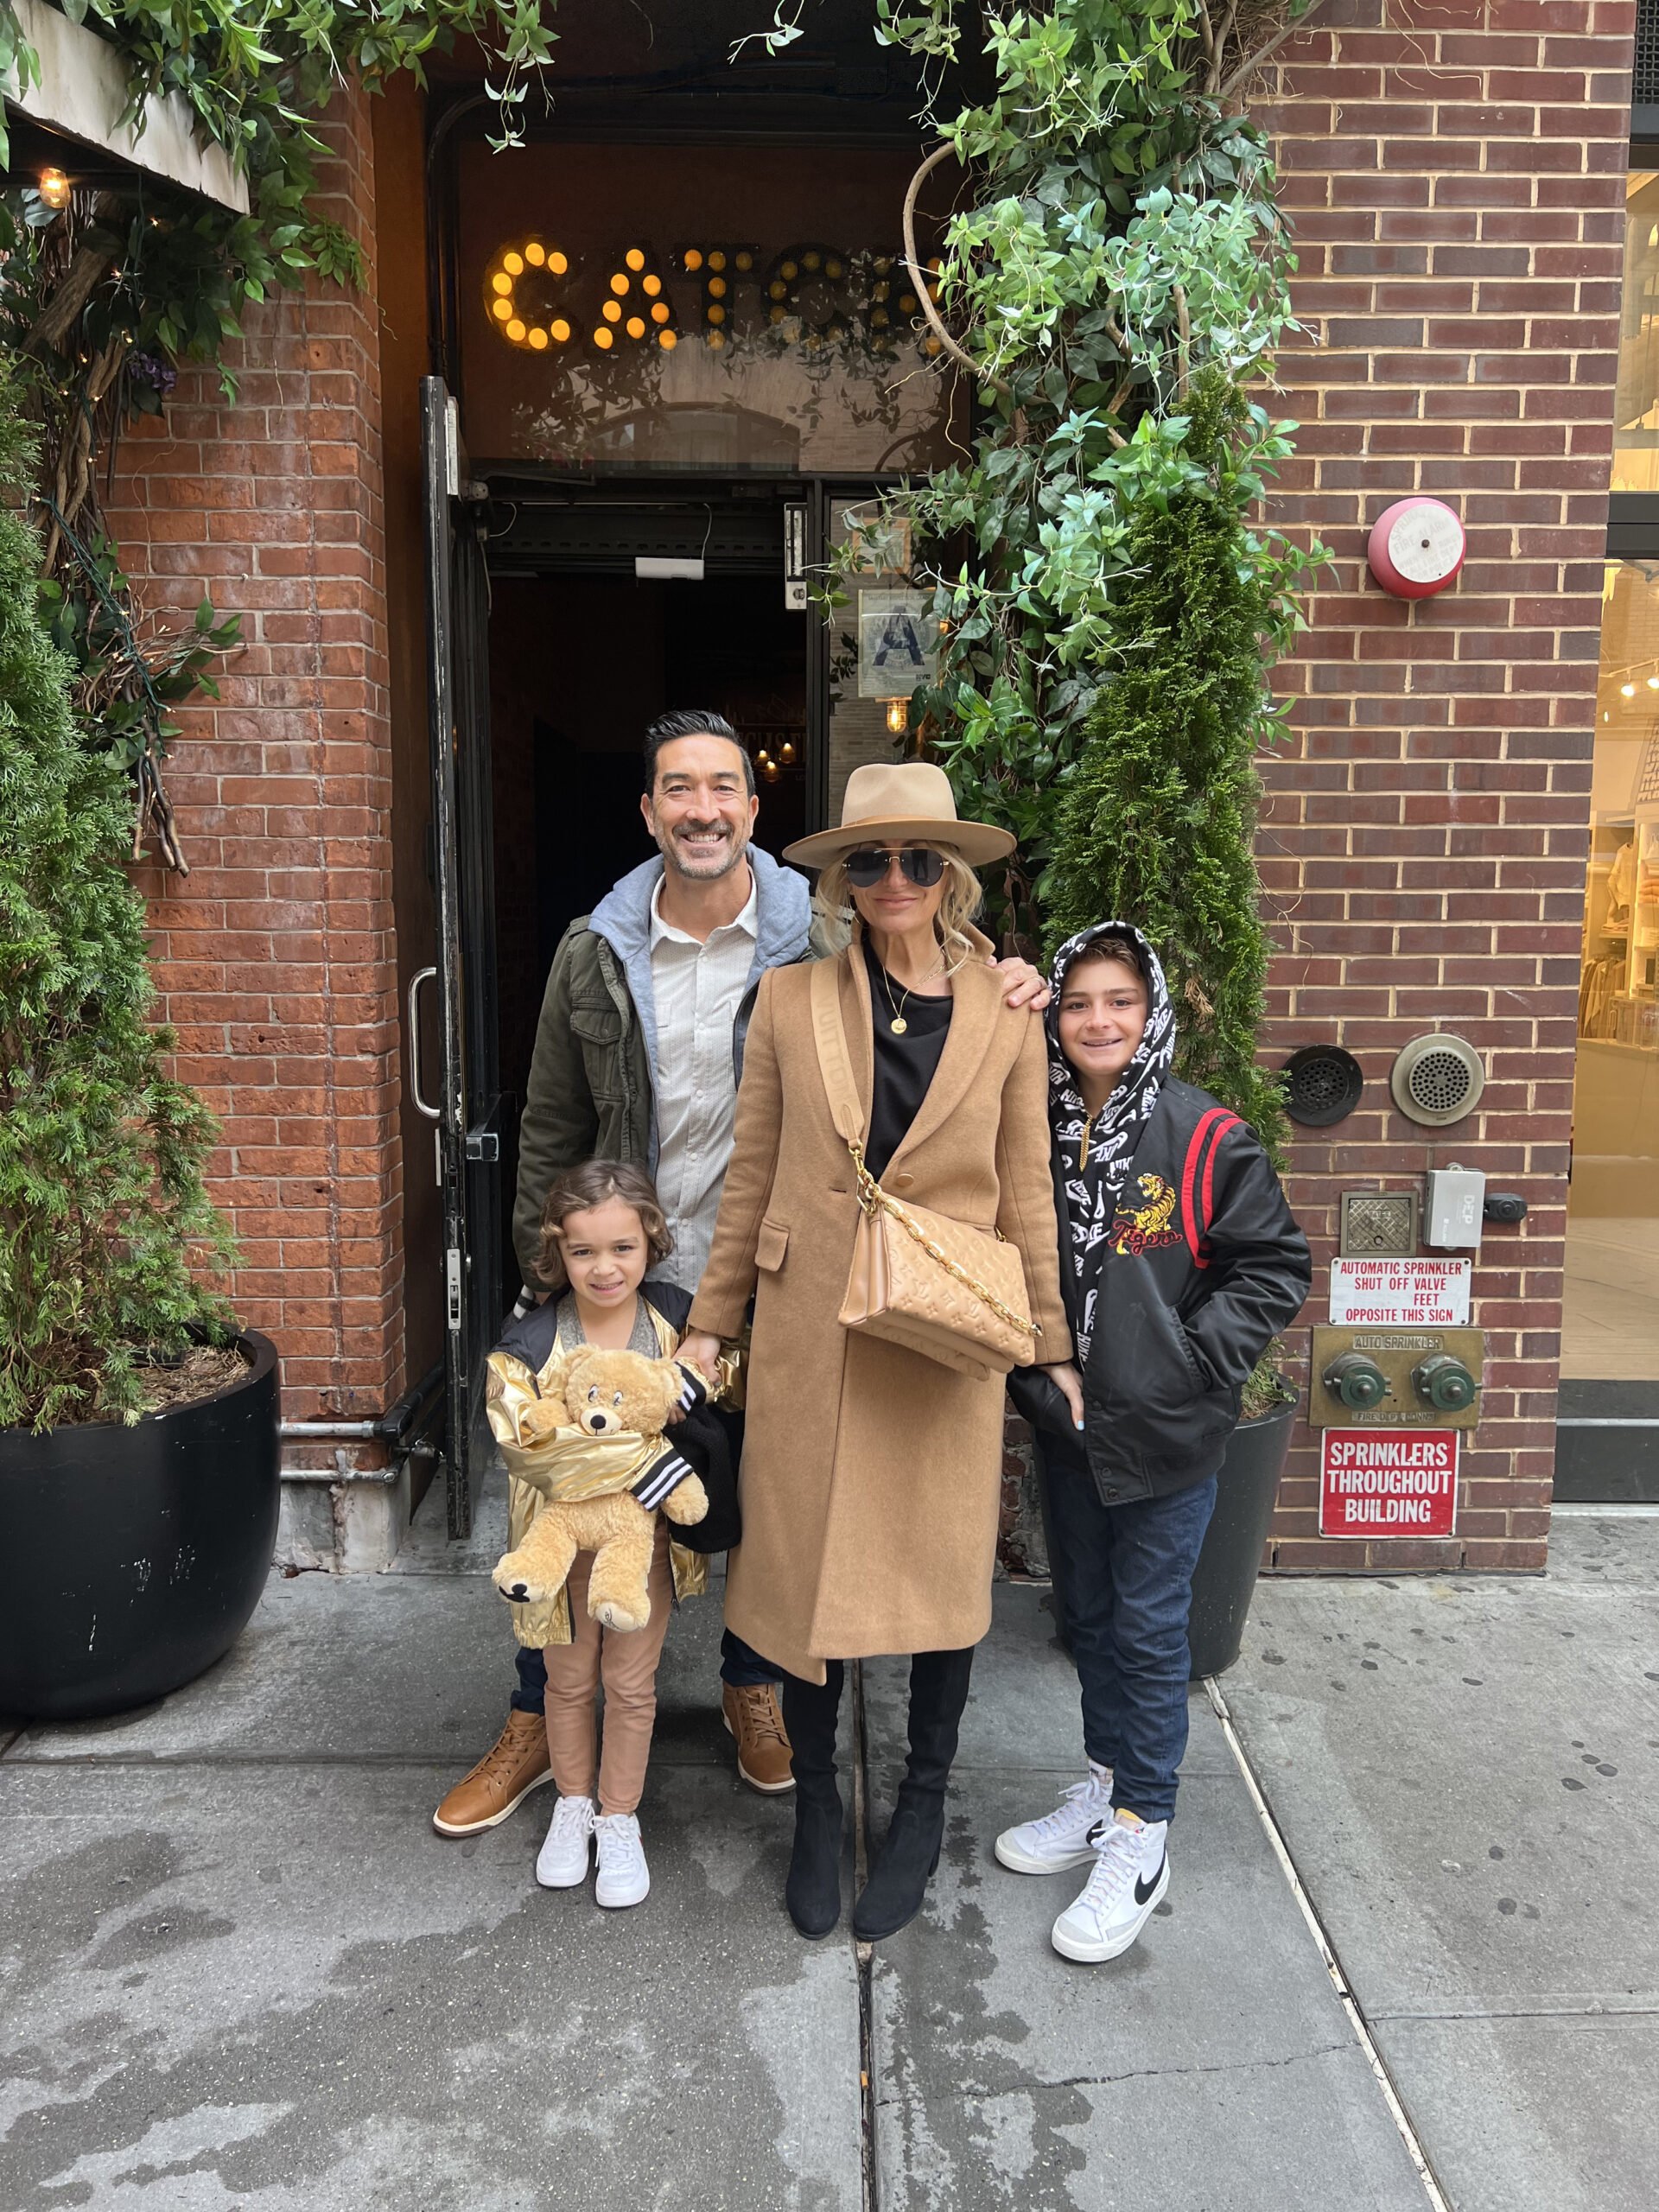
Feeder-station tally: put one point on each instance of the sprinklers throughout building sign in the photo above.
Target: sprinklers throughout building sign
(1388, 1482)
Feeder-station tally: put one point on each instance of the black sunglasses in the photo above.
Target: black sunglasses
(867, 867)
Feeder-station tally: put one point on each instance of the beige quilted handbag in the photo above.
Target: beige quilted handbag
(941, 1288)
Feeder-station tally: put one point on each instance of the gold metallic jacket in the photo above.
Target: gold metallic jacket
(568, 1463)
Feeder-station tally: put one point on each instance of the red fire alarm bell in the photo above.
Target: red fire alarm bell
(1416, 548)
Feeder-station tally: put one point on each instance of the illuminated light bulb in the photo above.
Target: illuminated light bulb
(763, 756)
(54, 189)
(1653, 235)
(502, 310)
(906, 302)
(716, 313)
(517, 332)
(604, 339)
(716, 338)
(651, 286)
(611, 312)
(777, 289)
(513, 264)
(790, 270)
(536, 253)
(810, 260)
(716, 288)
(539, 340)
(692, 260)
(776, 314)
(789, 752)
(659, 313)
(559, 331)
(667, 341)
(832, 269)
(558, 263)
(745, 260)
(501, 284)
(619, 284)
(1653, 684)
(898, 715)
(636, 326)
(930, 345)
(879, 318)
(634, 258)
(1627, 691)
(881, 292)
(717, 261)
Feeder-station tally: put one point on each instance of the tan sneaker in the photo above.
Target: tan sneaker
(515, 1764)
(753, 1717)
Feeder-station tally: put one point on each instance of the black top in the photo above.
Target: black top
(903, 1066)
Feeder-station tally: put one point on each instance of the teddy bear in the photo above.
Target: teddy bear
(606, 1395)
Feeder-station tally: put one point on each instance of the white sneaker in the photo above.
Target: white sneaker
(1063, 1838)
(561, 1862)
(1131, 1874)
(624, 1876)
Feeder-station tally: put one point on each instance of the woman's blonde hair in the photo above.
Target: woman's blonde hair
(961, 899)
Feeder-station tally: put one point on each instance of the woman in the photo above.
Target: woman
(1184, 1262)
(871, 1473)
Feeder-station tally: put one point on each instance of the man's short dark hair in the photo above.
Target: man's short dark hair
(692, 722)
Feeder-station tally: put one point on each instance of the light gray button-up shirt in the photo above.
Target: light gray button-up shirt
(697, 988)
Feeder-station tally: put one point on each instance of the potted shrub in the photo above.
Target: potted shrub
(138, 1427)
(1225, 1578)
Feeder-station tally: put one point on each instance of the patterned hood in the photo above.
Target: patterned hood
(1094, 1177)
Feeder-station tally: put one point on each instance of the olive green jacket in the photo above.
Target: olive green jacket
(589, 1093)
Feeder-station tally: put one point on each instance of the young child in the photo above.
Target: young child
(1180, 1262)
(603, 1229)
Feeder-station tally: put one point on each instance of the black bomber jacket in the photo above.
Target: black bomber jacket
(1205, 1267)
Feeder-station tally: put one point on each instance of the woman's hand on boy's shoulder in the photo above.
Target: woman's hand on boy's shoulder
(1022, 984)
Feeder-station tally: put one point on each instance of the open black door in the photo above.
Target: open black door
(468, 1108)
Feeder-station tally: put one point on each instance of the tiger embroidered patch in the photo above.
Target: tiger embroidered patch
(1145, 1219)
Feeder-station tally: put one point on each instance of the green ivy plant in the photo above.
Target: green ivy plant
(1114, 280)
(101, 301)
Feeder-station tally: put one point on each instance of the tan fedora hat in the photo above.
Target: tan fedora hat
(903, 799)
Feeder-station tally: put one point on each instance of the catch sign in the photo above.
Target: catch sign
(1388, 1482)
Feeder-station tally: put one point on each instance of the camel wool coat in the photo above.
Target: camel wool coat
(872, 1475)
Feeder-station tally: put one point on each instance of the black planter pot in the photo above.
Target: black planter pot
(131, 1557)
(1226, 1572)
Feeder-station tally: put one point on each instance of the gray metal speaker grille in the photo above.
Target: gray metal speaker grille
(1644, 87)
(1437, 1078)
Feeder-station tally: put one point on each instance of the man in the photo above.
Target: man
(636, 1059)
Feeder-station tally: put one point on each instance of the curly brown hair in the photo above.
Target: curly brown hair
(595, 1182)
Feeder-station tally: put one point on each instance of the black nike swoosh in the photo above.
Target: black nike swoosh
(1144, 1890)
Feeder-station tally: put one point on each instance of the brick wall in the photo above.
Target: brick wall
(1454, 172)
(274, 957)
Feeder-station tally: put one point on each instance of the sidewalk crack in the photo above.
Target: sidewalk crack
(1028, 2085)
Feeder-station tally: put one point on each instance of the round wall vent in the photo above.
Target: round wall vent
(1322, 1084)
(1437, 1079)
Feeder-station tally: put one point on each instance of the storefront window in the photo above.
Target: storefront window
(730, 309)
(1636, 419)
(883, 643)
(1612, 1320)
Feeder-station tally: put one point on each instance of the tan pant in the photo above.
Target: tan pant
(627, 1666)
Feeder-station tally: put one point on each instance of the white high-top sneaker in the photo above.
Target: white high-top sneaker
(562, 1863)
(624, 1876)
(1131, 1874)
(1064, 1838)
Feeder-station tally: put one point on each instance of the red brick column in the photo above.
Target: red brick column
(274, 957)
(1453, 170)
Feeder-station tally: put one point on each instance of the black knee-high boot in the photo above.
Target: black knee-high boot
(898, 1879)
(813, 1890)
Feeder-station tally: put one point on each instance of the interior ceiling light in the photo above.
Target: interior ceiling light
(54, 189)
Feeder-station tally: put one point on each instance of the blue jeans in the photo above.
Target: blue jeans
(740, 1665)
(1123, 1576)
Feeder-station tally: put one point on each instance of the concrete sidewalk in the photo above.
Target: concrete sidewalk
(241, 1970)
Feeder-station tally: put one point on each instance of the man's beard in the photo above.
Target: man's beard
(709, 871)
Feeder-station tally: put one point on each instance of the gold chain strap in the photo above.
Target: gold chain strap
(873, 1200)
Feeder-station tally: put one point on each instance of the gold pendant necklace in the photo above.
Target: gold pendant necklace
(897, 1025)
